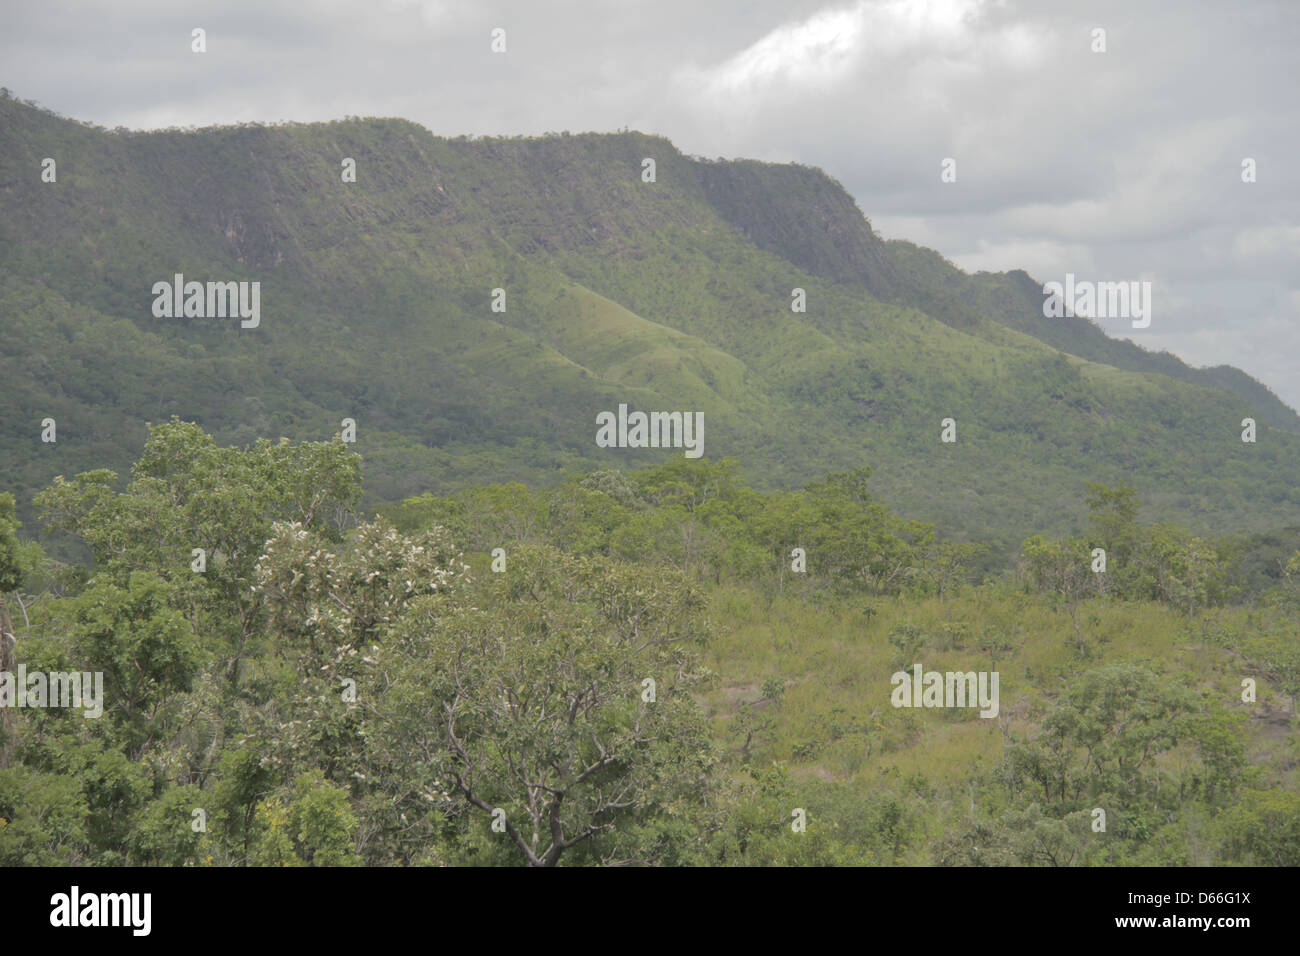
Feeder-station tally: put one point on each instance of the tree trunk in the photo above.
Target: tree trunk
(8, 723)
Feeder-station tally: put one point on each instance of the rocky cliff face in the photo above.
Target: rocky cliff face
(801, 215)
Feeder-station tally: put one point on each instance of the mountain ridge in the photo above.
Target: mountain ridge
(377, 297)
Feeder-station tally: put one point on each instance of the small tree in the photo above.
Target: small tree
(1063, 568)
(946, 564)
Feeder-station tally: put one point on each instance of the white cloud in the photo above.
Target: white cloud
(1043, 259)
(1275, 246)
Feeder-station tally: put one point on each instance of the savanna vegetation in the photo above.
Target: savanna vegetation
(663, 666)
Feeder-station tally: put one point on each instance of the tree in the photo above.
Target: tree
(1187, 570)
(11, 575)
(188, 493)
(1102, 738)
(945, 564)
(531, 707)
(164, 834)
(42, 819)
(1264, 828)
(1025, 837)
(329, 608)
(144, 647)
(314, 825)
(1112, 521)
(1291, 579)
(756, 718)
(11, 565)
(173, 638)
(1064, 568)
(857, 539)
(1279, 658)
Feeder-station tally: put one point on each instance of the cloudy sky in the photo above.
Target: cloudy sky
(1123, 164)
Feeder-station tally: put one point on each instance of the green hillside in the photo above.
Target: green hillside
(673, 295)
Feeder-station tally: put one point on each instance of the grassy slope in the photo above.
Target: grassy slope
(836, 724)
